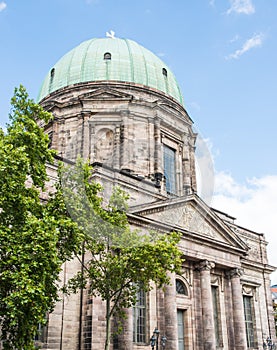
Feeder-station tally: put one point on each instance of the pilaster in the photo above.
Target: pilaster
(186, 166)
(126, 148)
(158, 151)
(85, 137)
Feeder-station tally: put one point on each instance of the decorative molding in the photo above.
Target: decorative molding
(205, 265)
(105, 93)
(250, 290)
(186, 283)
(237, 272)
(192, 220)
(215, 280)
(187, 275)
(247, 290)
(254, 250)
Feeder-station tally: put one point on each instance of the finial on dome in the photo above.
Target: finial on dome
(110, 34)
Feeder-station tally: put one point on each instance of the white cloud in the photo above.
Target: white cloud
(3, 5)
(253, 204)
(241, 6)
(204, 161)
(251, 43)
(212, 2)
(235, 38)
(224, 183)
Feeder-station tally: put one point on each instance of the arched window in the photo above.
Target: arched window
(107, 56)
(164, 72)
(181, 288)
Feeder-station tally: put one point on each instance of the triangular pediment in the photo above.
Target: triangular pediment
(192, 215)
(105, 93)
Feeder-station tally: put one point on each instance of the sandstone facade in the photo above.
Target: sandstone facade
(222, 298)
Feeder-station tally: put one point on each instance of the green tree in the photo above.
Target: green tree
(118, 259)
(35, 238)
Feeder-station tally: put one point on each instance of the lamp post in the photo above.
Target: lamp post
(163, 341)
(157, 333)
(267, 344)
(154, 340)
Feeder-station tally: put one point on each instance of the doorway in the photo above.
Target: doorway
(181, 329)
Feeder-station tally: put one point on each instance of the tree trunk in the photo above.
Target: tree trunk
(108, 324)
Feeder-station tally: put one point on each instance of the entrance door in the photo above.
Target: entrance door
(181, 329)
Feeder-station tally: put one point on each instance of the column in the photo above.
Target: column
(79, 135)
(117, 147)
(125, 338)
(192, 164)
(209, 341)
(170, 315)
(59, 142)
(238, 310)
(92, 145)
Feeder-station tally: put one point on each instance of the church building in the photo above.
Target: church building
(118, 105)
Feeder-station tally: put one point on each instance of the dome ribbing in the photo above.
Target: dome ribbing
(111, 59)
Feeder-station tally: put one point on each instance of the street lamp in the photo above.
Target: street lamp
(157, 333)
(163, 341)
(267, 344)
(154, 340)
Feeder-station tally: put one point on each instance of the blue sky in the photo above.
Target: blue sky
(223, 54)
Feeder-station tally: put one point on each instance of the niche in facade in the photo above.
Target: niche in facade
(104, 146)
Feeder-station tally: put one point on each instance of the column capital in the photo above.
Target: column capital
(237, 272)
(86, 114)
(205, 265)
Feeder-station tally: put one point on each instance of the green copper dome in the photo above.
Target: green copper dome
(111, 59)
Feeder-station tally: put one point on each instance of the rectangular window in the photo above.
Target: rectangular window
(249, 320)
(170, 169)
(41, 334)
(139, 318)
(181, 330)
(216, 314)
(50, 135)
